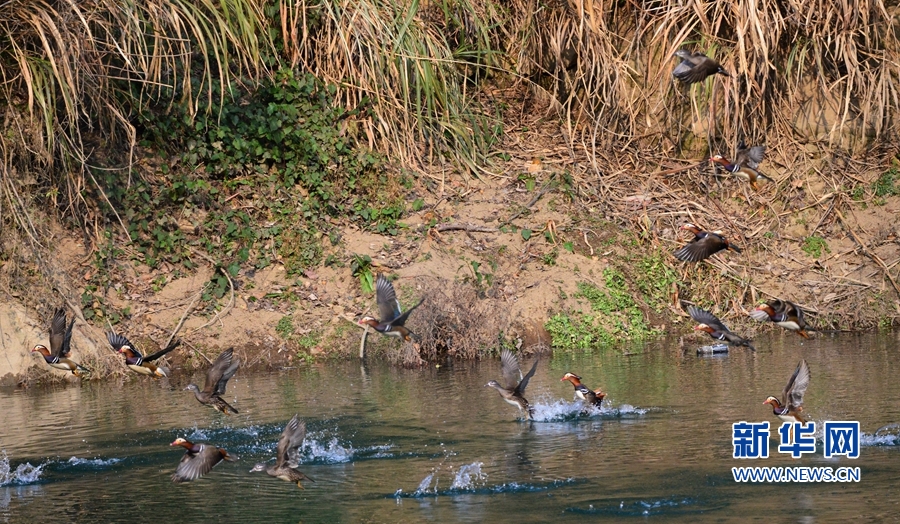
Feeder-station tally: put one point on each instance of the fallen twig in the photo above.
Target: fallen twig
(867, 252)
(465, 227)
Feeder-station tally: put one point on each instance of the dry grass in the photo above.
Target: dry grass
(454, 322)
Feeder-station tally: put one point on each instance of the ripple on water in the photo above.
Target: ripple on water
(563, 410)
(97, 463)
(642, 507)
(23, 474)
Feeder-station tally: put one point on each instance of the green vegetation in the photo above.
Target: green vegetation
(814, 246)
(656, 280)
(285, 327)
(615, 316)
(888, 184)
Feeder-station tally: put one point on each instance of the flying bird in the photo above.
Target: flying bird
(784, 314)
(60, 345)
(746, 164)
(286, 459)
(216, 380)
(791, 404)
(590, 397)
(137, 362)
(514, 388)
(704, 244)
(716, 329)
(695, 67)
(392, 316)
(198, 460)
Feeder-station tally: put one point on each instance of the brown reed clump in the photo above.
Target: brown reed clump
(454, 322)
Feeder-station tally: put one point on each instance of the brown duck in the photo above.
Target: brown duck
(60, 345)
(198, 460)
(784, 314)
(514, 389)
(593, 397)
(216, 380)
(791, 404)
(695, 67)
(392, 316)
(286, 459)
(137, 362)
(716, 329)
(704, 245)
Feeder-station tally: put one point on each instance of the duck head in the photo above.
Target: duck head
(767, 309)
(183, 443)
(691, 227)
(703, 327)
(127, 351)
(259, 466)
(42, 349)
(772, 401)
(493, 384)
(571, 377)
(368, 320)
(192, 387)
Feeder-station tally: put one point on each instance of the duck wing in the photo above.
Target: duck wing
(796, 386)
(520, 389)
(399, 321)
(509, 369)
(749, 156)
(388, 305)
(60, 335)
(217, 371)
(695, 68)
(793, 310)
(117, 341)
(220, 385)
(705, 317)
(162, 352)
(701, 247)
(195, 465)
(291, 438)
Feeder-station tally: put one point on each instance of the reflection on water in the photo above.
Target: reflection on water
(390, 445)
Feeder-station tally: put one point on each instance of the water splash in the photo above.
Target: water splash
(94, 462)
(423, 486)
(197, 434)
(331, 450)
(23, 474)
(888, 435)
(467, 475)
(563, 410)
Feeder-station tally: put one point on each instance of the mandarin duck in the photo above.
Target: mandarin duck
(591, 397)
(514, 389)
(216, 380)
(704, 244)
(716, 329)
(791, 404)
(60, 345)
(695, 67)
(137, 362)
(784, 314)
(198, 460)
(392, 317)
(286, 458)
(746, 164)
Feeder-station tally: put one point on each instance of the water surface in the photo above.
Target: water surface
(392, 445)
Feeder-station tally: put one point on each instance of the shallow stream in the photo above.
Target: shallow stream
(392, 445)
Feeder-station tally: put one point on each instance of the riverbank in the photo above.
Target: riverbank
(542, 252)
